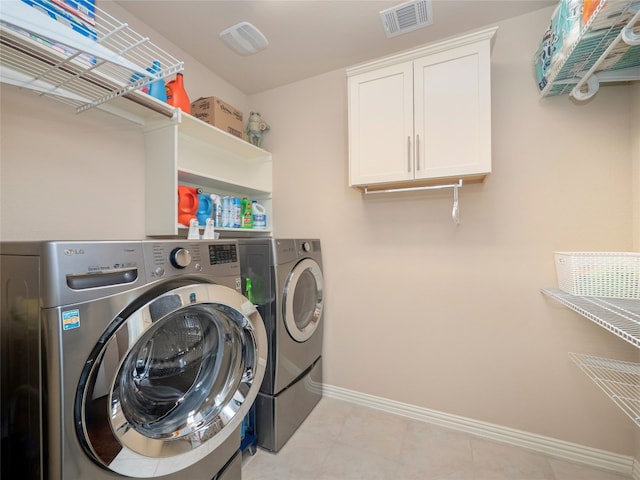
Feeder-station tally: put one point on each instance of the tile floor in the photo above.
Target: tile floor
(344, 441)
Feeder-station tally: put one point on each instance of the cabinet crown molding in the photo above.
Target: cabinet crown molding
(430, 49)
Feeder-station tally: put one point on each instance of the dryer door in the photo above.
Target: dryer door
(303, 299)
(183, 369)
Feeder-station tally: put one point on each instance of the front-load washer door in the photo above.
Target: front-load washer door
(303, 299)
(183, 370)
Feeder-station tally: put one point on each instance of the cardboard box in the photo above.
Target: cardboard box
(219, 114)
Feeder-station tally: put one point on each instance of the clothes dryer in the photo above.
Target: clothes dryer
(125, 359)
(288, 287)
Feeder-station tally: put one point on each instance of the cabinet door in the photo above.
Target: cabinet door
(453, 112)
(381, 125)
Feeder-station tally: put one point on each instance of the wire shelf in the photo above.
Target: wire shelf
(83, 66)
(601, 52)
(619, 380)
(620, 316)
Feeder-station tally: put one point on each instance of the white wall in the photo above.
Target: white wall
(452, 318)
(64, 175)
(635, 179)
(418, 310)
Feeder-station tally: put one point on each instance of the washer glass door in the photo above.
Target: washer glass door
(183, 370)
(303, 299)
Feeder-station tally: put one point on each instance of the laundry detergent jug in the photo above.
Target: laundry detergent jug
(204, 208)
(187, 204)
(259, 215)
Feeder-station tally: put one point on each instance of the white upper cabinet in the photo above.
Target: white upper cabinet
(423, 116)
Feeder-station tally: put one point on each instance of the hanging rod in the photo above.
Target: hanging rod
(455, 212)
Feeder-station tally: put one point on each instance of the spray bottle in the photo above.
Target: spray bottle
(247, 218)
(216, 206)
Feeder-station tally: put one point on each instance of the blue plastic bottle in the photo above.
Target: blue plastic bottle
(204, 208)
(157, 89)
(236, 212)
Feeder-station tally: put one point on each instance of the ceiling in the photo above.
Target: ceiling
(307, 37)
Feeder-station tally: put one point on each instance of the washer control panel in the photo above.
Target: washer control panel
(167, 258)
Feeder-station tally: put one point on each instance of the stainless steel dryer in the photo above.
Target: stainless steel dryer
(125, 359)
(288, 286)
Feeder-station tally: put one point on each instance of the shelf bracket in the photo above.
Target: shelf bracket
(629, 36)
(455, 212)
(590, 79)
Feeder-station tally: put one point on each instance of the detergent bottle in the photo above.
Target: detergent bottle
(204, 208)
(157, 89)
(177, 95)
(247, 217)
(259, 215)
(187, 204)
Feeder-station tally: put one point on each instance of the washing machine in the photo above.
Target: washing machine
(125, 359)
(287, 285)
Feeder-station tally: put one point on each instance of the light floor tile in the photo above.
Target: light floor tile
(431, 447)
(328, 418)
(376, 431)
(499, 461)
(349, 462)
(573, 471)
(344, 441)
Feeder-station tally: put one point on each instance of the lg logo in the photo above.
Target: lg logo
(74, 251)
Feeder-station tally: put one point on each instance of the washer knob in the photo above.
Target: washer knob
(180, 257)
(306, 246)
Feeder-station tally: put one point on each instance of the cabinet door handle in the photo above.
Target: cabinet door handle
(409, 153)
(417, 152)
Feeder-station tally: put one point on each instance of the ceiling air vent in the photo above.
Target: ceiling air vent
(406, 17)
(244, 38)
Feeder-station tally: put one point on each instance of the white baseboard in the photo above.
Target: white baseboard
(558, 448)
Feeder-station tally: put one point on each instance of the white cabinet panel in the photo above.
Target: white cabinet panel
(381, 125)
(453, 113)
